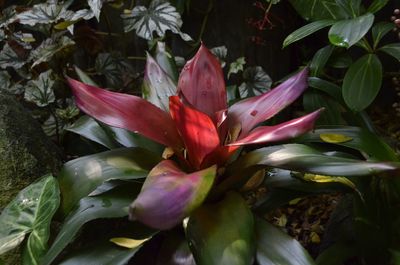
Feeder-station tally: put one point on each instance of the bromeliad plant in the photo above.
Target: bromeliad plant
(194, 187)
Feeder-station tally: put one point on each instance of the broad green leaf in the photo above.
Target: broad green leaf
(337, 254)
(368, 143)
(95, 6)
(313, 100)
(320, 59)
(236, 66)
(217, 236)
(9, 58)
(104, 253)
(314, 10)
(276, 247)
(351, 7)
(5, 80)
(392, 49)
(7, 16)
(362, 82)
(330, 88)
(45, 13)
(128, 242)
(343, 60)
(298, 157)
(380, 30)
(30, 213)
(112, 204)
(377, 5)
(334, 138)
(220, 52)
(306, 31)
(40, 91)
(159, 17)
(166, 60)
(48, 48)
(346, 33)
(256, 82)
(117, 70)
(79, 177)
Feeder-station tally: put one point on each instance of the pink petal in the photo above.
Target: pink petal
(126, 111)
(202, 83)
(169, 195)
(197, 130)
(280, 132)
(249, 112)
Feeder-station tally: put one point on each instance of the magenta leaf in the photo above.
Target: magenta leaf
(281, 132)
(198, 131)
(202, 83)
(157, 85)
(169, 195)
(127, 112)
(249, 112)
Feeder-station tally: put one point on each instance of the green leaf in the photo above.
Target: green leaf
(30, 213)
(236, 66)
(380, 30)
(103, 253)
(84, 77)
(320, 59)
(298, 157)
(306, 31)
(95, 6)
(79, 177)
(40, 91)
(9, 58)
(362, 140)
(276, 247)
(337, 254)
(330, 88)
(377, 5)
(112, 204)
(166, 61)
(362, 82)
(352, 7)
(217, 236)
(159, 17)
(5, 80)
(313, 100)
(346, 33)
(334, 138)
(220, 52)
(319, 9)
(343, 60)
(48, 48)
(45, 13)
(392, 49)
(256, 82)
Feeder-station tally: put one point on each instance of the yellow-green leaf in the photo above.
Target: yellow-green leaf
(334, 138)
(328, 179)
(128, 242)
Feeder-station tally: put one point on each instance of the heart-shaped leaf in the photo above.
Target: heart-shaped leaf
(346, 33)
(362, 82)
(79, 177)
(256, 82)
(30, 213)
(217, 236)
(40, 91)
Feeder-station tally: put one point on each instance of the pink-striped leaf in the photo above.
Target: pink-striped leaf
(249, 112)
(127, 112)
(280, 132)
(168, 195)
(198, 131)
(202, 83)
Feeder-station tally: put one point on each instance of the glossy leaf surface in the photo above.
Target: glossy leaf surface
(362, 82)
(303, 158)
(346, 33)
(314, 99)
(108, 205)
(316, 9)
(380, 30)
(276, 247)
(197, 130)
(377, 5)
(320, 59)
(392, 49)
(217, 236)
(282, 131)
(126, 111)
(79, 177)
(157, 86)
(249, 112)
(202, 83)
(307, 30)
(30, 213)
(169, 195)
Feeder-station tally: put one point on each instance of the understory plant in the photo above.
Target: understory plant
(186, 201)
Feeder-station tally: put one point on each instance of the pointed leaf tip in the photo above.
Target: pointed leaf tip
(127, 112)
(202, 83)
